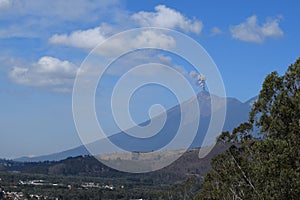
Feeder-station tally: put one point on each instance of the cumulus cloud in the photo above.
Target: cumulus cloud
(251, 31)
(167, 18)
(86, 39)
(151, 38)
(47, 72)
(145, 39)
(163, 17)
(90, 38)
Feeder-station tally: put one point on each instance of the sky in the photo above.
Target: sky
(43, 43)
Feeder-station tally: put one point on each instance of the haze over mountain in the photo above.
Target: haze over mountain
(236, 113)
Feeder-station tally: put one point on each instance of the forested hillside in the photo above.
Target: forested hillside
(266, 166)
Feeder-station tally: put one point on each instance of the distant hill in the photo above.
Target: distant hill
(87, 166)
(237, 112)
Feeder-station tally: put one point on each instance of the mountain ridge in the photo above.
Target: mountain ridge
(237, 112)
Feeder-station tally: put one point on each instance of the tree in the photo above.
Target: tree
(266, 166)
(1, 193)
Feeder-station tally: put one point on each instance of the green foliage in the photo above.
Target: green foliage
(266, 167)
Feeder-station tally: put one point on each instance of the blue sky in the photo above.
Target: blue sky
(42, 44)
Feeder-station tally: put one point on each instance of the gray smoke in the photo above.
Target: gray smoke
(200, 79)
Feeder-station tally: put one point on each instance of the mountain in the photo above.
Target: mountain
(236, 113)
(252, 101)
(81, 150)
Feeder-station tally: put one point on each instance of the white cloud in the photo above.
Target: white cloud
(47, 72)
(86, 39)
(193, 74)
(66, 10)
(163, 17)
(90, 38)
(136, 58)
(215, 31)
(251, 31)
(167, 18)
(144, 39)
(50, 65)
(59, 75)
(39, 18)
(271, 29)
(153, 38)
(5, 4)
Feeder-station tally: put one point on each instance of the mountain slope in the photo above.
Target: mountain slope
(81, 150)
(237, 112)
